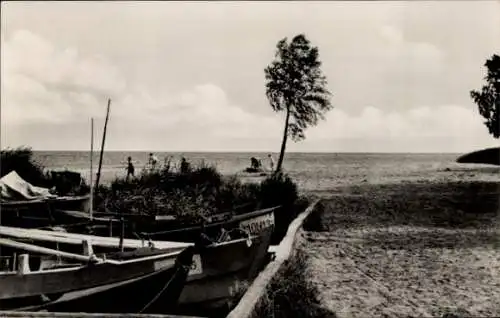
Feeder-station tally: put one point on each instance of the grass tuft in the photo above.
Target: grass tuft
(290, 294)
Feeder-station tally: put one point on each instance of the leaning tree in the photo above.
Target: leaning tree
(296, 85)
(488, 99)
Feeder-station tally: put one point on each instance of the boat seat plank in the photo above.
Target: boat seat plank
(73, 238)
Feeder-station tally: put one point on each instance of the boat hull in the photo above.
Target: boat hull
(252, 222)
(28, 288)
(39, 213)
(227, 270)
(158, 230)
(155, 292)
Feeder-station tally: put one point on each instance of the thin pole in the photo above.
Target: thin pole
(91, 171)
(102, 146)
(122, 233)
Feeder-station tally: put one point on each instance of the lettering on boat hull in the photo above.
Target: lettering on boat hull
(164, 263)
(256, 225)
(196, 267)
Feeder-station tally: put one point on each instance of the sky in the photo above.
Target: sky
(189, 76)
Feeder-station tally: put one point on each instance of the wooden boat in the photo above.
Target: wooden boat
(40, 212)
(227, 268)
(23, 286)
(252, 222)
(219, 272)
(75, 243)
(254, 171)
(165, 228)
(155, 292)
(23, 204)
(73, 214)
(255, 167)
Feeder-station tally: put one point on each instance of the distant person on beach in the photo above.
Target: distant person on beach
(152, 161)
(167, 162)
(130, 168)
(184, 165)
(271, 162)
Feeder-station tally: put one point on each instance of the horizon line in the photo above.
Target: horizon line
(257, 151)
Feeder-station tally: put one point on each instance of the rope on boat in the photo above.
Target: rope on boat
(155, 298)
(182, 267)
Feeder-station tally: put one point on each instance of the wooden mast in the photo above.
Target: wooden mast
(91, 170)
(102, 146)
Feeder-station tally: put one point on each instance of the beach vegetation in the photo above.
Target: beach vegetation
(280, 190)
(190, 196)
(295, 85)
(488, 99)
(201, 192)
(22, 162)
(290, 293)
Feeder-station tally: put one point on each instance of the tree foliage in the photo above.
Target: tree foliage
(488, 99)
(296, 85)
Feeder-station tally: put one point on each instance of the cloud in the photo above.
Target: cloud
(49, 91)
(41, 82)
(44, 84)
(385, 68)
(204, 109)
(409, 56)
(443, 128)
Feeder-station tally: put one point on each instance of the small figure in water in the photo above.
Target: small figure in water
(185, 167)
(130, 168)
(255, 163)
(271, 162)
(167, 163)
(152, 161)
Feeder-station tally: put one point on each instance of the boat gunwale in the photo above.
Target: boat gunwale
(6, 203)
(235, 218)
(98, 264)
(77, 239)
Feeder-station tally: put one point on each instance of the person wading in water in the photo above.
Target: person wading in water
(271, 162)
(130, 169)
(152, 161)
(185, 166)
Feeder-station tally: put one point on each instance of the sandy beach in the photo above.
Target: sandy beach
(422, 246)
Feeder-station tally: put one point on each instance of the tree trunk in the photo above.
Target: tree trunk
(283, 143)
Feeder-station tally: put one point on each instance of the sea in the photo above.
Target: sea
(315, 172)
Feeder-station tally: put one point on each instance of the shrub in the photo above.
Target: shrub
(187, 195)
(201, 192)
(21, 160)
(236, 196)
(279, 190)
(314, 221)
(290, 293)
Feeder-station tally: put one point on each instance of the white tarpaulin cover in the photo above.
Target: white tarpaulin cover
(13, 187)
